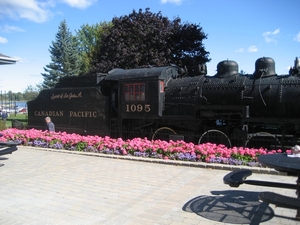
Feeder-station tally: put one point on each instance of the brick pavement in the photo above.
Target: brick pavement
(49, 187)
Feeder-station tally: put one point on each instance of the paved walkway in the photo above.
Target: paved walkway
(48, 187)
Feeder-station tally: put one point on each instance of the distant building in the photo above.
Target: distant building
(4, 60)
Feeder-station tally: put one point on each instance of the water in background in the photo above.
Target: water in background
(21, 105)
(12, 106)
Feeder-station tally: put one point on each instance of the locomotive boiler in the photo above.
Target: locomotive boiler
(255, 110)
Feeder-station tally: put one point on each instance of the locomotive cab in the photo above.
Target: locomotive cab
(137, 95)
(140, 92)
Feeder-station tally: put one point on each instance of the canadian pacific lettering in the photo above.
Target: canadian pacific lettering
(86, 114)
(49, 113)
(83, 114)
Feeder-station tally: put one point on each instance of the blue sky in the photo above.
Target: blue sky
(239, 30)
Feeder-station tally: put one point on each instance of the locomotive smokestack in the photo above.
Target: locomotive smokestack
(297, 63)
(296, 69)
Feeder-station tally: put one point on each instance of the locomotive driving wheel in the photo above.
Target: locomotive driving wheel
(215, 136)
(259, 139)
(163, 133)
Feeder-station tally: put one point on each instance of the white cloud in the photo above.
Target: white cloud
(240, 50)
(9, 29)
(177, 2)
(36, 10)
(297, 38)
(81, 4)
(30, 9)
(252, 48)
(270, 36)
(3, 40)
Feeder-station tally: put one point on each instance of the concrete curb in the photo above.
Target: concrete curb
(261, 170)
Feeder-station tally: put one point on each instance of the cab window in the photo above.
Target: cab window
(134, 92)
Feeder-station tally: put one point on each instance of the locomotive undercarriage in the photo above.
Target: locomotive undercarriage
(229, 131)
(276, 133)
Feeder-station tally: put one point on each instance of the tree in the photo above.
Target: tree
(19, 96)
(87, 37)
(146, 38)
(243, 72)
(30, 93)
(64, 57)
(186, 44)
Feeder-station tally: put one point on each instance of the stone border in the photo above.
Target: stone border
(203, 165)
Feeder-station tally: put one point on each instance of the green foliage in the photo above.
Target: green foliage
(19, 96)
(30, 93)
(245, 158)
(86, 38)
(80, 146)
(136, 40)
(55, 141)
(64, 56)
(146, 38)
(187, 48)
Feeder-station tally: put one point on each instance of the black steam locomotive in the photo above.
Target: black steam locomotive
(255, 110)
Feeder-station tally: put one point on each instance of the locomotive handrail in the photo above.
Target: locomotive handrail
(260, 92)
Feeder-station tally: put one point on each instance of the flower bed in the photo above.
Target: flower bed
(139, 147)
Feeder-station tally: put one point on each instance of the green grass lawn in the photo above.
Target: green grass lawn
(22, 118)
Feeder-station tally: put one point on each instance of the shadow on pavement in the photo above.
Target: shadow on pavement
(3, 158)
(236, 207)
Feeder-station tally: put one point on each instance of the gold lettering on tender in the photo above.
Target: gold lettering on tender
(53, 96)
(84, 114)
(49, 113)
(66, 95)
(73, 95)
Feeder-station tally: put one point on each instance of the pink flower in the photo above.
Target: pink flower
(163, 149)
(289, 151)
